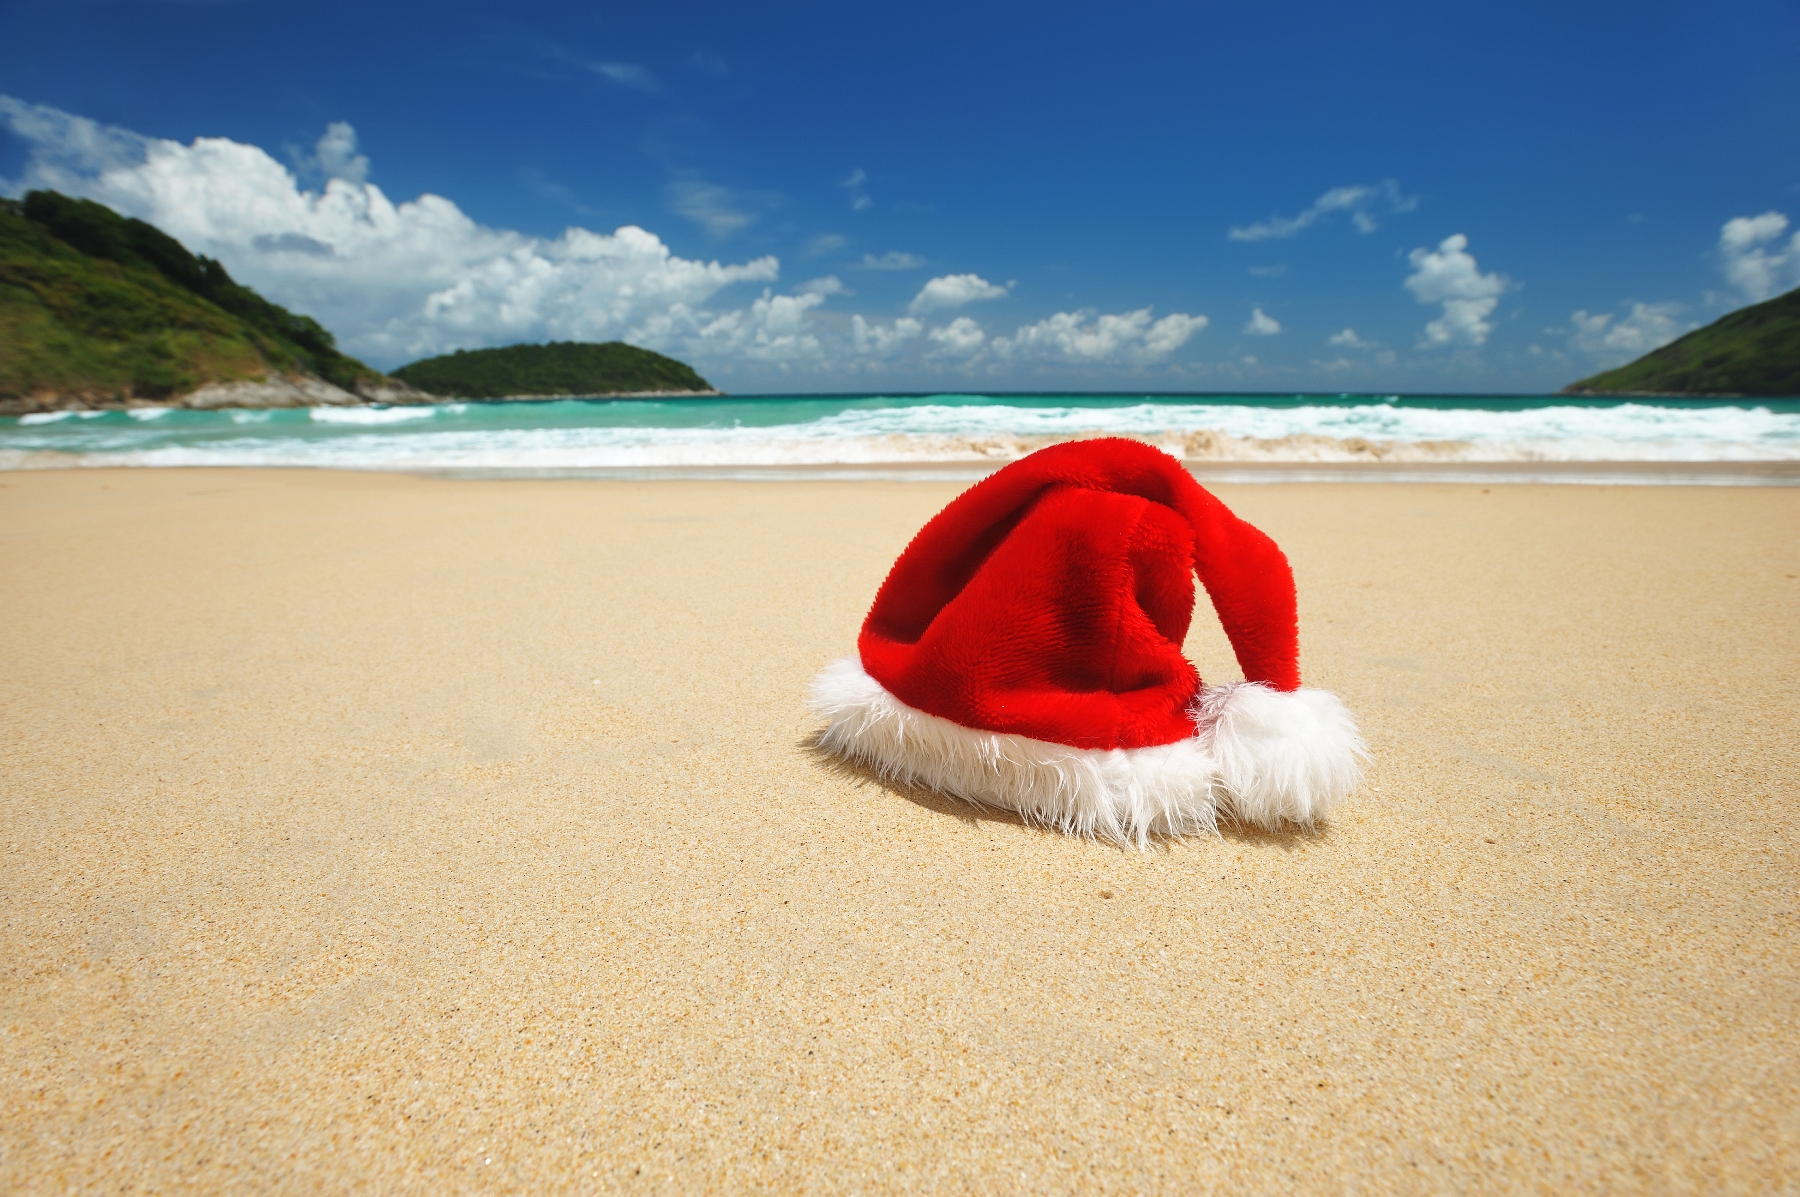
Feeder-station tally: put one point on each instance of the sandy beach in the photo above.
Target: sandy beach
(367, 832)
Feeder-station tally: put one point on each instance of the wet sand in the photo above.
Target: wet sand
(380, 833)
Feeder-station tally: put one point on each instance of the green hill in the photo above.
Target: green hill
(572, 368)
(98, 310)
(1752, 351)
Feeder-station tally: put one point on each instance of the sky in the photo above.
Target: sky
(1418, 197)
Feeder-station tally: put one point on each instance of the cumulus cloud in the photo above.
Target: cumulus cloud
(1261, 324)
(1349, 340)
(1366, 204)
(1087, 337)
(1450, 276)
(829, 285)
(893, 259)
(859, 197)
(824, 243)
(336, 156)
(395, 281)
(1754, 259)
(772, 329)
(961, 337)
(953, 291)
(1614, 341)
(882, 340)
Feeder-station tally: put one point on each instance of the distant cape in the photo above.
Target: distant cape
(559, 370)
(102, 311)
(1752, 352)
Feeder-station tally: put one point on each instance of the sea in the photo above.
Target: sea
(947, 436)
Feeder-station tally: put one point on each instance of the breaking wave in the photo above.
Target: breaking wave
(875, 430)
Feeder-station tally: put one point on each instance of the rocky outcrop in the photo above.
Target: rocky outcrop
(272, 390)
(301, 390)
(275, 390)
(392, 390)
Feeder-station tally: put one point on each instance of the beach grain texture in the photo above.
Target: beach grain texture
(390, 834)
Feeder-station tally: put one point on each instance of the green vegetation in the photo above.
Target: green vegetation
(559, 368)
(1753, 351)
(97, 308)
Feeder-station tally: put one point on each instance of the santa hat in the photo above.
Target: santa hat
(1025, 652)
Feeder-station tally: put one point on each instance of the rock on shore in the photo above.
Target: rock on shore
(272, 390)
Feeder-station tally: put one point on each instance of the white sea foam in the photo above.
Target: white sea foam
(812, 433)
(371, 415)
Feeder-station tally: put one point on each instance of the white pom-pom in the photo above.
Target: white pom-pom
(1282, 757)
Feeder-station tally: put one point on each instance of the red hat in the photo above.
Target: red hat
(1025, 652)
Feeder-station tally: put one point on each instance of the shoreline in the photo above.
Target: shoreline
(1485, 473)
(300, 392)
(1566, 473)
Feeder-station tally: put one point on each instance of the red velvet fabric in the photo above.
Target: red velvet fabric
(1051, 599)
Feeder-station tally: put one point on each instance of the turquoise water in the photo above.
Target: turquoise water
(813, 430)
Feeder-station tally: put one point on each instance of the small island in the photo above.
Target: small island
(99, 311)
(1752, 352)
(559, 370)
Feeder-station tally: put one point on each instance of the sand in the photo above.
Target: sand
(406, 835)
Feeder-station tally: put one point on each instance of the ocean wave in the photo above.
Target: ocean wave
(862, 432)
(371, 415)
(563, 450)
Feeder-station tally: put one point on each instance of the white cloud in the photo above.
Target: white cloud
(1349, 340)
(824, 243)
(829, 285)
(772, 329)
(719, 210)
(1261, 324)
(1085, 337)
(961, 337)
(66, 146)
(893, 259)
(880, 340)
(1450, 276)
(336, 155)
(1366, 203)
(859, 198)
(953, 291)
(628, 75)
(1745, 245)
(1615, 342)
(395, 281)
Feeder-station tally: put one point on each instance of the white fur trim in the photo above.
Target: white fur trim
(1282, 757)
(1122, 794)
(1267, 757)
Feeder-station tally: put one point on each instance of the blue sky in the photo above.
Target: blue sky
(953, 196)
